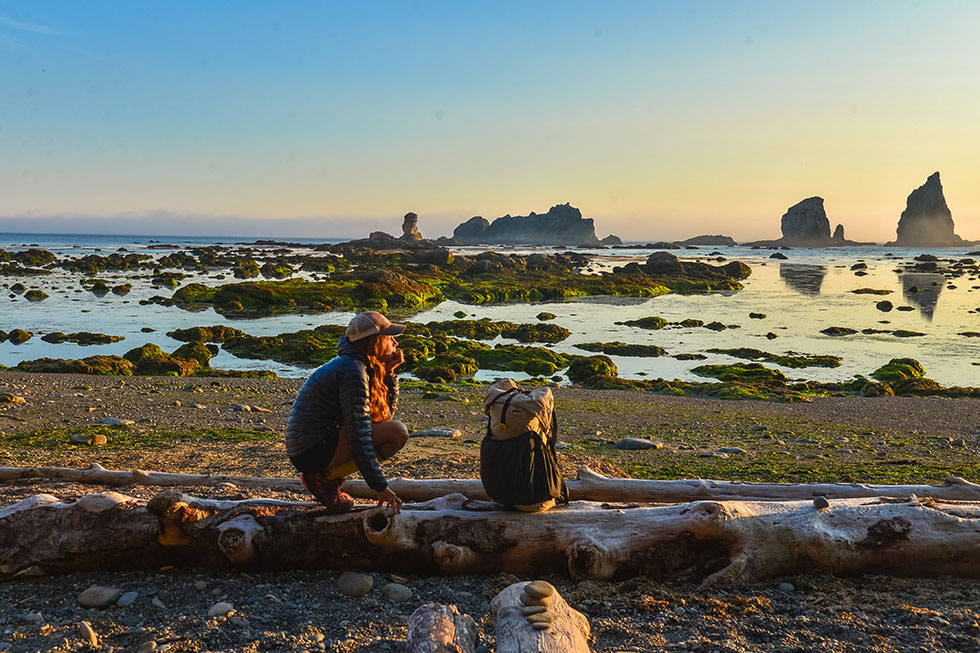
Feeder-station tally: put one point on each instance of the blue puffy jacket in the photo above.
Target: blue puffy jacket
(336, 395)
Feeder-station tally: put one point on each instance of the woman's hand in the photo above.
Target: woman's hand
(389, 499)
(393, 360)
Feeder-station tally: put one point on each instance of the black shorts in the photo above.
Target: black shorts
(317, 457)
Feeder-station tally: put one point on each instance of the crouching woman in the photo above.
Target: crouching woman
(341, 420)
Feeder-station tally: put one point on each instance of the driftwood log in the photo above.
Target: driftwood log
(589, 486)
(712, 542)
(568, 633)
(438, 628)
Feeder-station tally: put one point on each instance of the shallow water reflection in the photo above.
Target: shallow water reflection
(923, 290)
(804, 279)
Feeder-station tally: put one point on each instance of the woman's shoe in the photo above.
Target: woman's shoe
(327, 491)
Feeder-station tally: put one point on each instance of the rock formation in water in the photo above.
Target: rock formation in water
(926, 220)
(711, 241)
(410, 227)
(806, 224)
(839, 233)
(563, 225)
(612, 241)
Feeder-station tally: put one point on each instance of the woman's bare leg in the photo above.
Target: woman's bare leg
(388, 438)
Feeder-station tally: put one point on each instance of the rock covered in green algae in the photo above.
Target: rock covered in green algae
(795, 361)
(587, 367)
(899, 369)
(100, 365)
(623, 349)
(838, 331)
(81, 338)
(218, 333)
(742, 372)
(651, 322)
(19, 336)
(35, 295)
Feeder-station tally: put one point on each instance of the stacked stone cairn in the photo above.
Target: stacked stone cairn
(536, 598)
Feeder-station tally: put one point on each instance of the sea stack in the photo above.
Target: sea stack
(806, 224)
(410, 227)
(926, 220)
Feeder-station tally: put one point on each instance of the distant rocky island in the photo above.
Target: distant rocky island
(927, 220)
(562, 225)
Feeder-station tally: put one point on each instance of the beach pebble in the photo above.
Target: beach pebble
(157, 603)
(240, 622)
(637, 444)
(33, 617)
(200, 586)
(958, 442)
(734, 450)
(199, 406)
(112, 421)
(6, 646)
(679, 611)
(147, 647)
(220, 609)
(98, 596)
(437, 433)
(820, 503)
(397, 592)
(176, 404)
(242, 408)
(539, 589)
(10, 398)
(127, 599)
(707, 453)
(87, 438)
(87, 634)
(562, 445)
(352, 583)
(786, 587)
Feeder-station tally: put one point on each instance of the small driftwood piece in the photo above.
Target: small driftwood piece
(438, 628)
(568, 631)
(715, 543)
(589, 486)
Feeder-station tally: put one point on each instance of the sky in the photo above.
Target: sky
(661, 120)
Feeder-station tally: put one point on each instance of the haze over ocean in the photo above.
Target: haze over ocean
(661, 120)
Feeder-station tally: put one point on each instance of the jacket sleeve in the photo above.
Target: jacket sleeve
(357, 423)
(392, 382)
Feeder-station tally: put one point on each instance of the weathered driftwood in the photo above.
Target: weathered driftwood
(569, 631)
(438, 628)
(589, 486)
(709, 541)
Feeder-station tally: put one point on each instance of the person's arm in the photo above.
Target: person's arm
(354, 405)
(391, 381)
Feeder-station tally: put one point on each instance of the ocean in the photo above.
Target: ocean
(800, 296)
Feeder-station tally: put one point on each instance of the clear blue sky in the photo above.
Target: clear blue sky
(659, 119)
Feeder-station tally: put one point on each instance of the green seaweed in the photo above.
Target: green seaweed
(789, 359)
(623, 349)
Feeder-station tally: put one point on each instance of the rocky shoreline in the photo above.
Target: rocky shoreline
(201, 424)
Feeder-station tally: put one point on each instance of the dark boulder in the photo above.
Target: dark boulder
(471, 231)
(611, 241)
(561, 225)
(663, 263)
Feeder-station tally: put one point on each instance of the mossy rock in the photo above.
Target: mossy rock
(872, 389)
(691, 323)
(100, 288)
(435, 374)
(304, 347)
(18, 288)
(795, 361)
(740, 372)
(917, 387)
(623, 349)
(35, 295)
(544, 316)
(194, 293)
(81, 338)
(122, 289)
(149, 350)
(899, 369)
(838, 331)
(460, 365)
(903, 333)
(218, 333)
(536, 361)
(652, 322)
(272, 270)
(19, 336)
(246, 269)
(871, 291)
(396, 289)
(194, 351)
(99, 365)
(590, 366)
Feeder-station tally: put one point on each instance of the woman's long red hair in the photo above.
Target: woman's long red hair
(371, 347)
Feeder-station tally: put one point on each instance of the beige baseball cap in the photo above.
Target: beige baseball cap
(370, 323)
